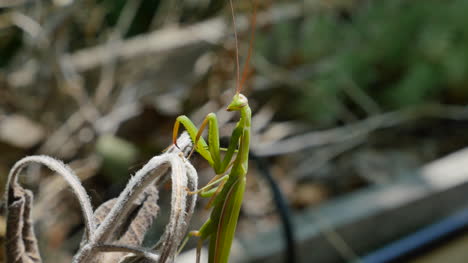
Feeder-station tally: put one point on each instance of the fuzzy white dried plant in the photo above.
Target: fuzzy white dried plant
(101, 226)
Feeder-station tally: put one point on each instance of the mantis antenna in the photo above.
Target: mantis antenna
(240, 82)
(238, 88)
(249, 54)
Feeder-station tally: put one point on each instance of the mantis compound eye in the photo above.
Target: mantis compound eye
(238, 102)
(243, 100)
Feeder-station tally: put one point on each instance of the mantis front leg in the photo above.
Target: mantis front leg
(200, 145)
(210, 151)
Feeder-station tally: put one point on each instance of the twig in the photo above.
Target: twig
(62, 134)
(361, 128)
(146, 253)
(167, 13)
(28, 25)
(169, 39)
(13, 3)
(106, 82)
(123, 109)
(322, 157)
(74, 87)
(336, 240)
(360, 97)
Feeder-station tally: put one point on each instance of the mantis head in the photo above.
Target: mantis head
(238, 102)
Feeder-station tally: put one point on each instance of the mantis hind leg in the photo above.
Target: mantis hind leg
(199, 243)
(205, 231)
(208, 189)
(199, 247)
(213, 198)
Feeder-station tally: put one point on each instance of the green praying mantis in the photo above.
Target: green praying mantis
(226, 189)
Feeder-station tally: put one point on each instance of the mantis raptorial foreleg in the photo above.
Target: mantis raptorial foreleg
(200, 145)
(210, 152)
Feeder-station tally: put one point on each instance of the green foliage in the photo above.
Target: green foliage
(318, 36)
(400, 53)
(117, 155)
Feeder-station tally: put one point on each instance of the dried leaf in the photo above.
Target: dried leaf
(63, 170)
(183, 176)
(131, 231)
(21, 244)
(182, 207)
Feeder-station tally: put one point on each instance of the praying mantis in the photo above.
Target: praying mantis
(227, 188)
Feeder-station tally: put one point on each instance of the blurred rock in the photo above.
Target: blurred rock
(309, 195)
(20, 131)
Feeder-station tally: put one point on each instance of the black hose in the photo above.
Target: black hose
(282, 207)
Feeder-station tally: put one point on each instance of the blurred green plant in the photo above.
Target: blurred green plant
(397, 53)
(117, 155)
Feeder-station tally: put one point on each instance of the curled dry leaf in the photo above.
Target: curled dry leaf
(123, 221)
(182, 207)
(21, 243)
(183, 176)
(132, 230)
(69, 176)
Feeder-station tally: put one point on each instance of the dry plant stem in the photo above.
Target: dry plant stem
(164, 40)
(129, 249)
(157, 42)
(106, 83)
(63, 170)
(360, 129)
(62, 134)
(155, 168)
(104, 124)
(336, 240)
(28, 25)
(73, 85)
(12, 3)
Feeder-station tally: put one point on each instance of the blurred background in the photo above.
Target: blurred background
(353, 101)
